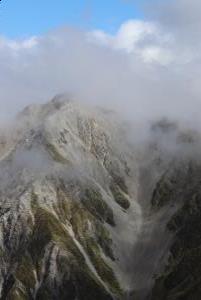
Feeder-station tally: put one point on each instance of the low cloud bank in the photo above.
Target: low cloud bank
(150, 68)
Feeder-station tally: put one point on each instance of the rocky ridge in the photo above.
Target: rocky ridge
(67, 205)
(86, 214)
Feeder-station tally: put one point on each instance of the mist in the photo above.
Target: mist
(149, 73)
(148, 69)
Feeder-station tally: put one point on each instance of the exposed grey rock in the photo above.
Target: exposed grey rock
(63, 234)
(85, 214)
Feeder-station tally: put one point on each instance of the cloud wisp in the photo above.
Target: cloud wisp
(149, 68)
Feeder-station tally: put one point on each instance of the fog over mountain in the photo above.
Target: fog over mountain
(148, 68)
(87, 209)
(100, 160)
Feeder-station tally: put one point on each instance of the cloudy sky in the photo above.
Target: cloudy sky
(139, 57)
(20, 18)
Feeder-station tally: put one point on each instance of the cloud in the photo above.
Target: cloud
(144, 39)
(129, 35)
(182, 17)
(180, 13)
(149, 68)
(14, 46)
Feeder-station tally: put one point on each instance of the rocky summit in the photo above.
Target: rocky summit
(87, 214)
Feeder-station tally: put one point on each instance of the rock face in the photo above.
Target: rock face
(86, 215)
(68, 205)
(175, 205)
(180, 278)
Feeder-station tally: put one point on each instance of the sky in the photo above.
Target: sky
(22, 18)
(143, 61)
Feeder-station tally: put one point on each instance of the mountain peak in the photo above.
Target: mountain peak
(87, 214)
(66, 180)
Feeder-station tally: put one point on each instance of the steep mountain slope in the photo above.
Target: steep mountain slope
(174, 214)
(180, 279)
(179, 190)
(85, 214)
(68, 211)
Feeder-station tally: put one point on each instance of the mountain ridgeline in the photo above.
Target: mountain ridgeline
(86, 213)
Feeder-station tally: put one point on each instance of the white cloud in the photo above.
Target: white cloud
(144, 39)
(158, 55)
(17, 45)
(145, 69)
(133, 32)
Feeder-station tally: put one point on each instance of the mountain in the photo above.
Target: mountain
(86, 213)
(67, 204)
